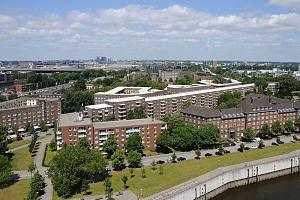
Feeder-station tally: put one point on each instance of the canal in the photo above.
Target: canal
(286, 187)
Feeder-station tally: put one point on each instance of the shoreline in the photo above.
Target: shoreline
(216, 182)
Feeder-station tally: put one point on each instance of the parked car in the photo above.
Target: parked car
(181, 158)
(247, 148)
(226, 151)
(275, 144)
(160, 162)
(208, 154)
(253, 147)
(218, 153)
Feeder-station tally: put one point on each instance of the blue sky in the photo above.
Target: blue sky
(265, 30)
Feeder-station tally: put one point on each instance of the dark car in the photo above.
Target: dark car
(247, 148)
(218, 153)
(226, 151)
(160, 162)
(208, 154)
(181, 158)
(274, 143)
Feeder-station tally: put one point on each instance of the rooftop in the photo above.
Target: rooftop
(99, 106)
(124, 99)
(197, 92)
(73, 119)
(118, 90)
(126, 123)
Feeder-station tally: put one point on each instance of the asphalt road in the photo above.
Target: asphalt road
(191, 154)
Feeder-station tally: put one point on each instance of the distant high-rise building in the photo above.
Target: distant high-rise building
(214, 63)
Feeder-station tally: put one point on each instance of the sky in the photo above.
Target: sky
(245, 30)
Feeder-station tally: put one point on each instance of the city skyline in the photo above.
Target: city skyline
(233, 30)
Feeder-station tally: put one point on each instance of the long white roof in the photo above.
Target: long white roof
(99, 106)
(198, 92)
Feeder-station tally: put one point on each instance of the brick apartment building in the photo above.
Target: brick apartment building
(159, 106)
(6, 77)
(19, 112)
(73, 126)
(254, 111)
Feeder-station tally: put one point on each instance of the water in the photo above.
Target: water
(286, 187)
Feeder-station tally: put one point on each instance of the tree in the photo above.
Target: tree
(242, 147)
(153, 165)
(221, 150)
(134, 143)
(297, 124)
(3, 98)
(207, 135)
(265, 131)
(198, 153)
(85, 186)
(12, 96)
(79, 85)
(74, 101)
(229, 99)
(164, 142)
(5, 170)
(108, 188)
(31, 168)
(110, 146)
(43, 126)
(276, 128)
(124, 180)
(3, 140)
(32, 143)
(134, 158)
(186, 104)
(173, 121)
(261, 85)
(143, 172)
(72, 166)
(183, 139)
(131, 172)
(36, 186)
(118, 160)
(136, 113)
(53, 145)
(248, 134)
(84, 144)
(173, 157)
(160, 170)
(288, 126)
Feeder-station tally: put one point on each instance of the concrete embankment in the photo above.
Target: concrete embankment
(213, 183)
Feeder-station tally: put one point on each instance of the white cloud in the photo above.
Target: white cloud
(135, 27)
(286, 3)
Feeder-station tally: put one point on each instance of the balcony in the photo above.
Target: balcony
(81, 131)
(136, 130)
(81, 135)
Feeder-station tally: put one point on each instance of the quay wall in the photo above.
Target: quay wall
(213, 183)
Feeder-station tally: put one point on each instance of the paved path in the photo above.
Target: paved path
(38, 161)
(191, 154)
(21, 175)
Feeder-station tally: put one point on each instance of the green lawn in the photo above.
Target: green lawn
(17, 191)
(23, 142)
(19, 143)
(175, 174)
(21, 159)
(150, 153)
(49, 156)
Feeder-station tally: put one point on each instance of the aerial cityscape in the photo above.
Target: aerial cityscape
(150, 100)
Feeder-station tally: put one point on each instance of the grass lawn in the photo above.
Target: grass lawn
(21, 159)
(23, 142)
(19, 143)
(16, 191)
(174, 174)
(49, 155)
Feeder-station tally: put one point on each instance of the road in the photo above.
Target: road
(191, 154)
